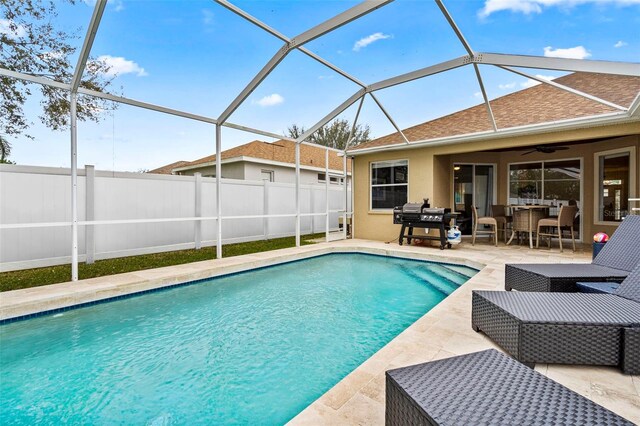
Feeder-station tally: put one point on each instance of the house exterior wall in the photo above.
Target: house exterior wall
(229, 171)
(253, 171)
(247, 170)
(430, 172)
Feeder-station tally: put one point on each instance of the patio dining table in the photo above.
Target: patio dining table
(530, 208)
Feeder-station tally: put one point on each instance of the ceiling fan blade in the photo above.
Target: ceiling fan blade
(560, 148)
(529, 152)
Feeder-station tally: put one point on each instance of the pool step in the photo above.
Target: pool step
(449, 273)
(465, 271)
(434, 279)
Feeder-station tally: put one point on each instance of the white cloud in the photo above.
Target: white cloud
(119, 5)
(365, 41)
(620, 44)
(325, 77)
(528, 7)
(119, 66)
(269, 100)
(207, 16)
(578, 52)
(478, 95)
(17, 31)
(507, 86)
(531, 83)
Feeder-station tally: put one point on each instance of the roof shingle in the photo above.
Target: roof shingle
(281, 151)
(536, 105)
(166, 169)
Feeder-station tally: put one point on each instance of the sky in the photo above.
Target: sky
(197, 56)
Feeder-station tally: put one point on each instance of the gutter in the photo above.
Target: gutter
(531, 129)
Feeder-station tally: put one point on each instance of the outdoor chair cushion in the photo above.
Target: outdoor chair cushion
(629, 288)
(597, 287)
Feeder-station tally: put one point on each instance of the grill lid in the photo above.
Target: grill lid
(416, 207)
(412, 208)
(435, 210)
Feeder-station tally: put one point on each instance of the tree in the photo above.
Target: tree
(5, 150)
(334, 134)
(30, 44)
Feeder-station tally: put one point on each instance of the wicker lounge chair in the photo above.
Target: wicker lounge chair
(565, 328)
(485, 388)
(613, 263)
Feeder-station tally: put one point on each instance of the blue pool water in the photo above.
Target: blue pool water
(250, 348)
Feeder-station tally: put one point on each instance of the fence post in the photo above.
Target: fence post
(198, 211)
(312, 207)
(89, 230)
(346, 196)
(74, 186)
(326, 195)
(219, 191)
(297, 194)
(265, 208)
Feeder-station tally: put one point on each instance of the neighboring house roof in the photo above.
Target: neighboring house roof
(282, 151)
(166, 170)
(536, 105)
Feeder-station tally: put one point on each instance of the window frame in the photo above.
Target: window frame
(631, 150)
(371, 185)
(271, 174)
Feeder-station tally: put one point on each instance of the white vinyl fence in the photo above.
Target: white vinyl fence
(153, 213)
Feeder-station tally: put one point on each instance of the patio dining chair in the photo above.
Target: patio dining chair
(498, 213)
(491, 221)
(564, 220)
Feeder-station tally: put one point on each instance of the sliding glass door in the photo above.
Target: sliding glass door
(473, 184)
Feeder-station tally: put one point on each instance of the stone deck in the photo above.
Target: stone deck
(358, 399)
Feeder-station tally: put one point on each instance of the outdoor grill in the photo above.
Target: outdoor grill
(421, 215)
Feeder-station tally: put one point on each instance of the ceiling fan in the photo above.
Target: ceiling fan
(545, 149)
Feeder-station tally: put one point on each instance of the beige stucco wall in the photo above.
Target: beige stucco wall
(430, 171)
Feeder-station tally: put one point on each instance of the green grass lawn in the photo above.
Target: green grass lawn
(62, 273)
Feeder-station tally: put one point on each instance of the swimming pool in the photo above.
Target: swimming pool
(253, 347)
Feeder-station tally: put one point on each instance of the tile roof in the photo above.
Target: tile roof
(281, 151)
(539, 104)
(166, 169)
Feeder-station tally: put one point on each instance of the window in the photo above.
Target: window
(332, 179)
(389, 184)
(615, 184)
(525, 182)
(550, 182)
(554, 183)
(266, 175)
